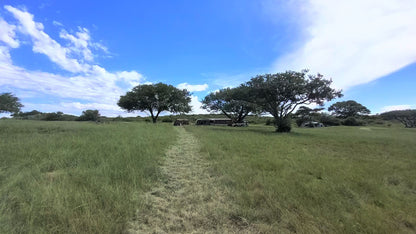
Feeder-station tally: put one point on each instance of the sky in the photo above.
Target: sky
(71, 56)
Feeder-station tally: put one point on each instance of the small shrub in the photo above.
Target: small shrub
(329, 120)
(167, 119)
(351, 121)
(269, 122)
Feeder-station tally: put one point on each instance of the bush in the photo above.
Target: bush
(54, 116)
(167, 119)
(270, 121)
(329, 120)
(89, 115)
(351, 121)
(284, 125)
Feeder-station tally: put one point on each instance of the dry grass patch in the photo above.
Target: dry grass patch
(188, 200)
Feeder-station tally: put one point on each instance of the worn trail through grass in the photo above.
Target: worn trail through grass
(188, 200)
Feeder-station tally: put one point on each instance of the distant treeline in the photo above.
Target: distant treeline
(93, 115)
(88, 115)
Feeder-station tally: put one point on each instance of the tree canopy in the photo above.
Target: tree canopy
(232, 102)
(406, 117)
(348, 108)
(279, 94)
(305, 114)
(9, 103)
(89, 115)
(156, 98)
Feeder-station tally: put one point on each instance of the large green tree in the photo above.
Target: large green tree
(348, 108)
(156, 98)
(232, 102)
(89, 115)
(279, 94)
(406, 117)
(9, 103)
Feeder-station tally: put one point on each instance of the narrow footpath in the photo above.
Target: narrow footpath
(189, 200)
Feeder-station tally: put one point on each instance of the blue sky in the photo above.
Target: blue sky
(71, 56)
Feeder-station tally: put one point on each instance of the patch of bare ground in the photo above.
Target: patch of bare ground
(189, 200)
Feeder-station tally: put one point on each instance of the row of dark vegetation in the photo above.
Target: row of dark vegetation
(278, 95)
(87, 115)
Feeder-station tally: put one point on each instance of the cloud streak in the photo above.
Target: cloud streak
(193, 88)
(355, 42)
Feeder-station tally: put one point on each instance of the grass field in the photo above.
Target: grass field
(72, 177)
(337, 179)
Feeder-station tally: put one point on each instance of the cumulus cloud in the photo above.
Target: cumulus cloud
(193, 88)
(7, 34)
(395, 107)
(133, 78)
(197, 106)
(43, 43)
(91, 84)
(79, 42)
(355, 41)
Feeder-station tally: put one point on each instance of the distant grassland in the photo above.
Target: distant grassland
(336, 179)
(71, 177)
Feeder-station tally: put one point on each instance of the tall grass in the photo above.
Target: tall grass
(71, 177)
(337, 179)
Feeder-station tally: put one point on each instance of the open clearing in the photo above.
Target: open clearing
(189, 199)
(70, 177)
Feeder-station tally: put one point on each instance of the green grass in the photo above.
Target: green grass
(337, 179)
(72, 177)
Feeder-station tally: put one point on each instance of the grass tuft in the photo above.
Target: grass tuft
(76, 177)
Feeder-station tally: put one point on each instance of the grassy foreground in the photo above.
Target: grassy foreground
(337, 179)
(71, 177)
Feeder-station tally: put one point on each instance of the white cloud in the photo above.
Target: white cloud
(76, 108)
(5, 55)
(193, 88)
(57, 23)
(133, 78)
(44, 44)
(7, 34)
(355, 41)
(395, 107)
(197, 106)
(94, 86)
(79, 42)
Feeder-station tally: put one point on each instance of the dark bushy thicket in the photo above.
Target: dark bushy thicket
(89, 115)
(351, 121)
(329, 120)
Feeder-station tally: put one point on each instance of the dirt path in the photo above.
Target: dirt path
(189, 200)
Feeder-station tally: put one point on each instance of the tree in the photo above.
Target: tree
(156, 98)
(53, 116)
(406, 117)
(279, 94)
(348, 108)
(232, 102)
(89, 115)
(9, 103)
(305, 114)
